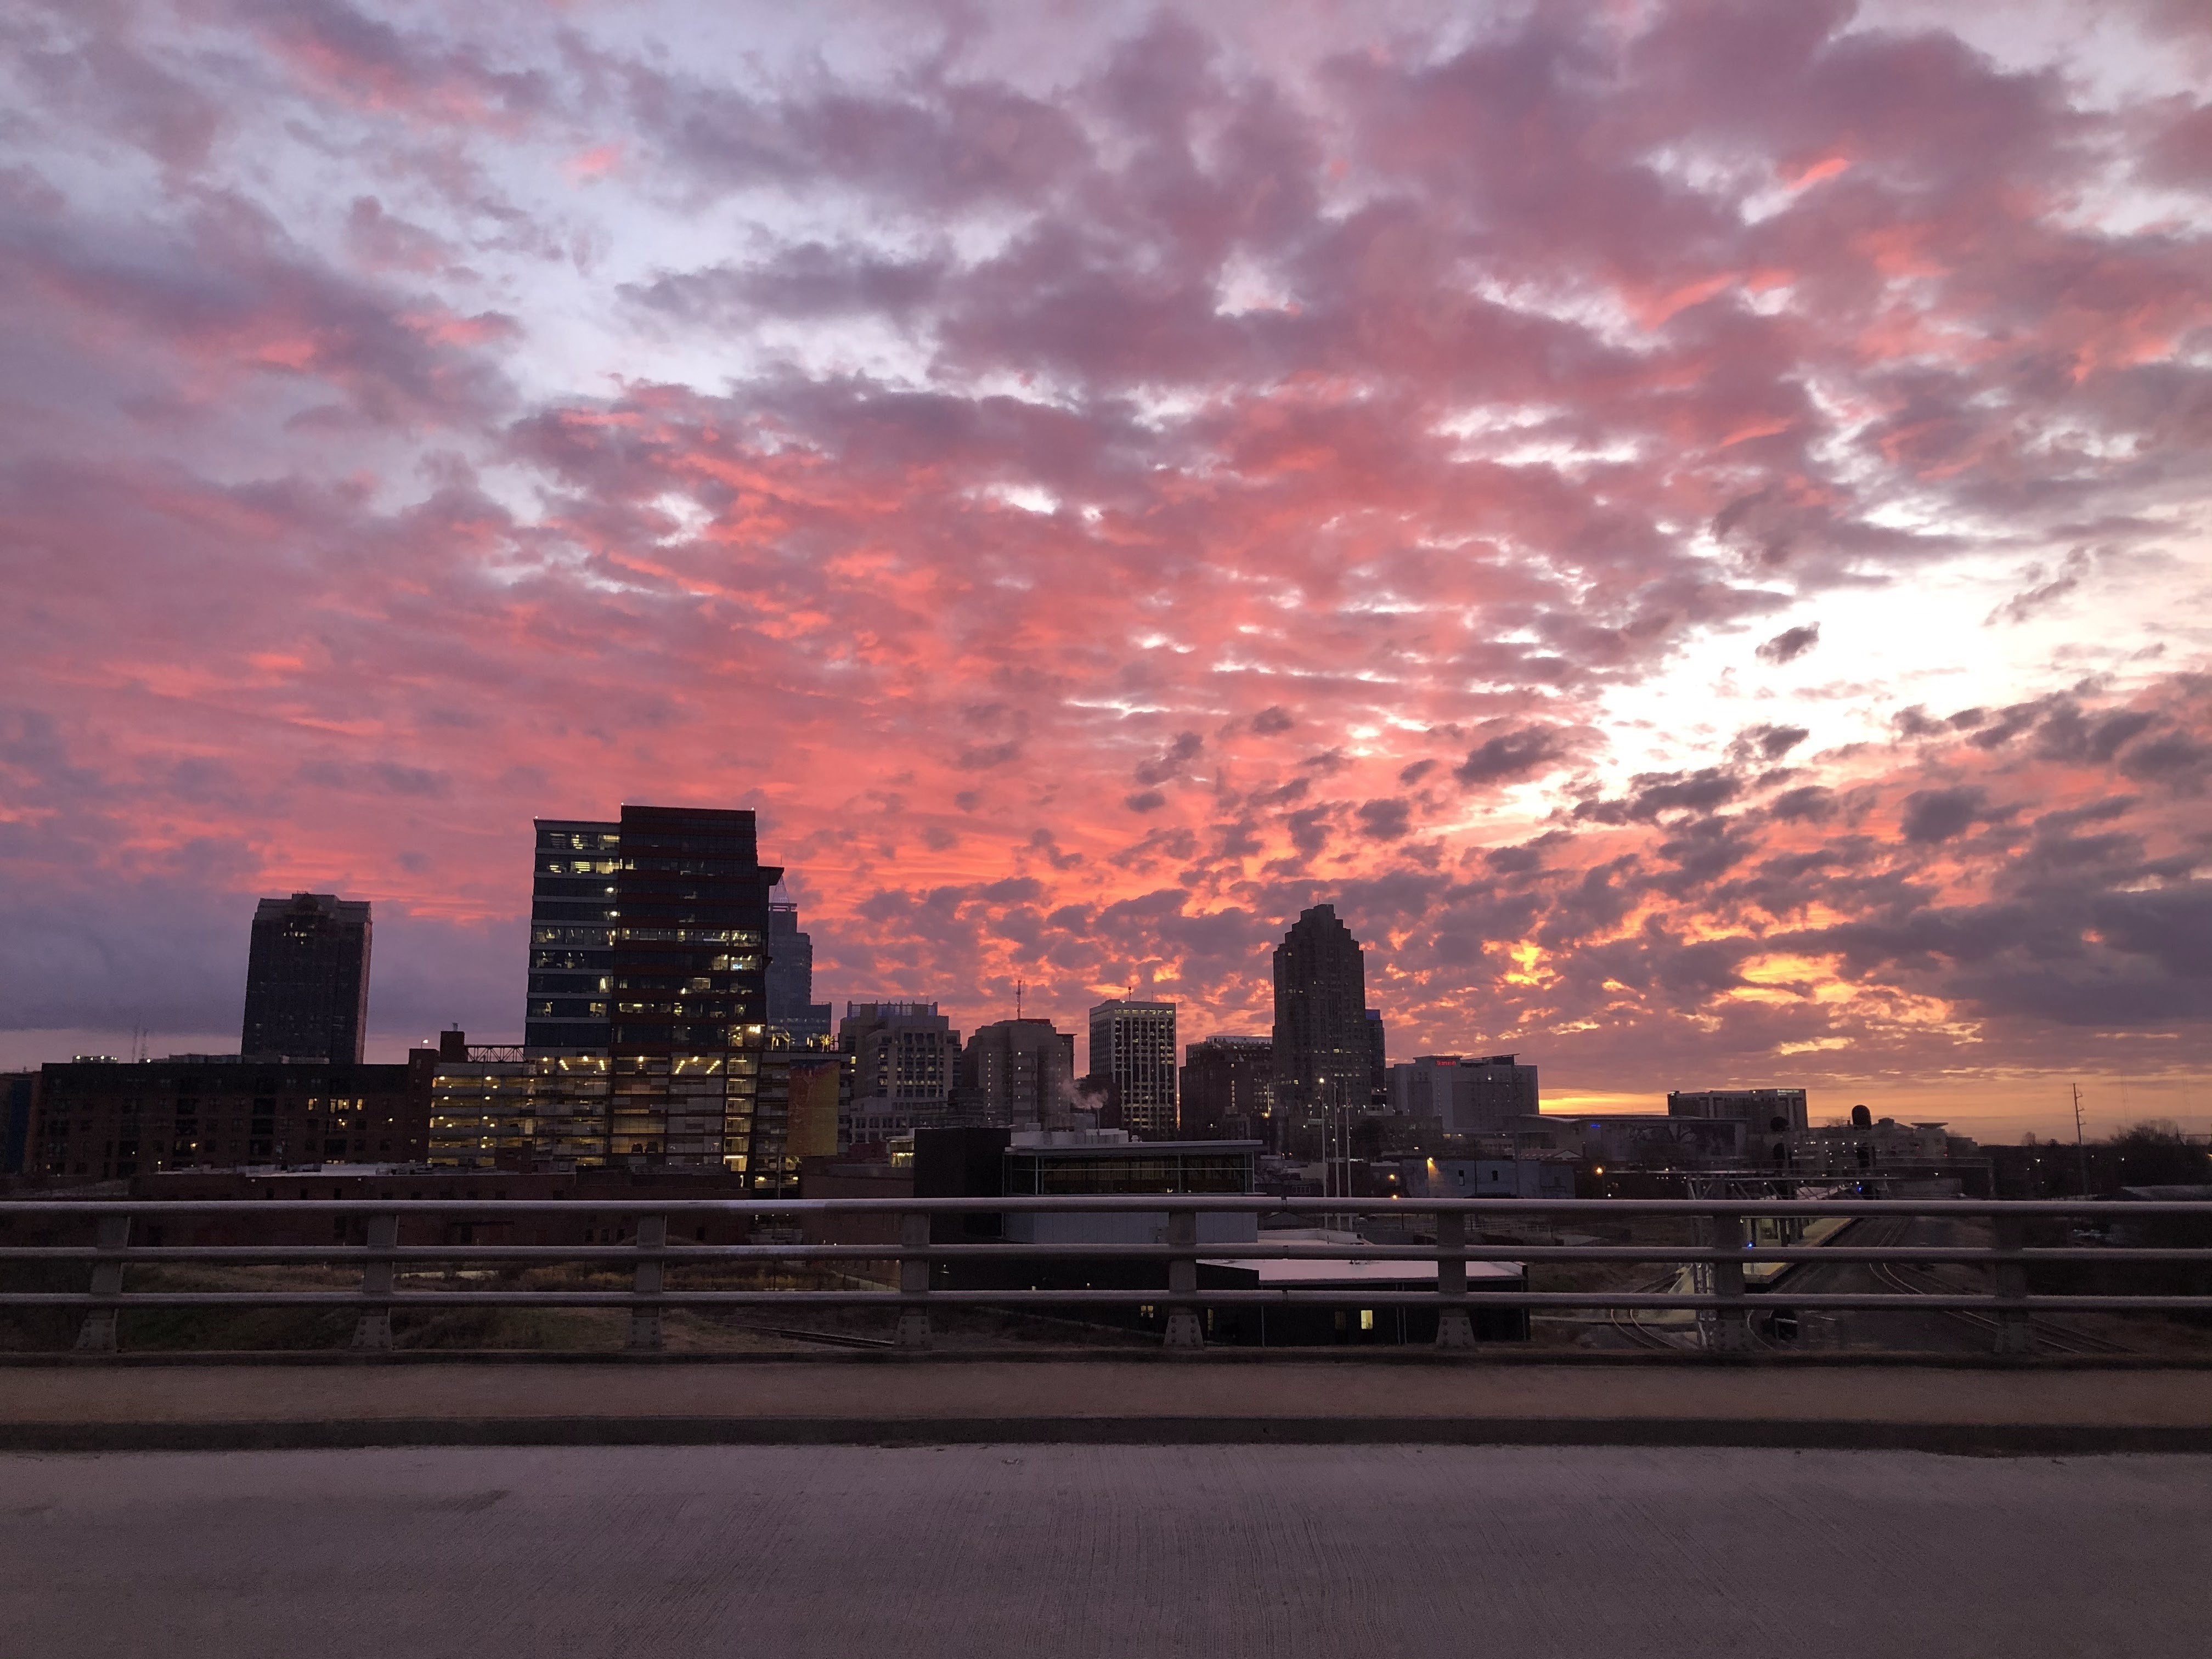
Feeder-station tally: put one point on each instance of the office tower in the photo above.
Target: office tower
(307, 980)
(572, 963)
(1227, 1087)
(1378, 1061)
(1018, 1073)
(1133, 1050)
(1323, 1054)
(649, 941)
(689, 934)
(791, 1005)
(1467, 1094)
(905, 1061)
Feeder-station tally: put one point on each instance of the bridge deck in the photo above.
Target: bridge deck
(1072, 1552)
(868, 1399)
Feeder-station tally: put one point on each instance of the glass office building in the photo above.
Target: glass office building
(307, 980)
(572, 900)
(649, 946)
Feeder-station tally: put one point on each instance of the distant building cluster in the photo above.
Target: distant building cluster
(669, 1024)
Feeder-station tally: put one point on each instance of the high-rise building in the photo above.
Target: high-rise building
(307, 980)
(1323, 1054)
(791, 1005)
(689, 934)
(1018, 1073)
(906, 1061)
(1467, 1094)
(649, 944)
(1133, 1050)
(1378, 1061)
(1227, 1086)
(572, 961)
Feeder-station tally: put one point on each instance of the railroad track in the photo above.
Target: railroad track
(1624, 1321)
(835, 1339)
(1919, 1281)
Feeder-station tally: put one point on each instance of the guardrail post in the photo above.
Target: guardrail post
(374, 1328)
(2016, 1334)
(1731, 1333)
(645, 1318)
(914, 1281)
(98, 1331)
(1453, 1328)
(1183, 1328)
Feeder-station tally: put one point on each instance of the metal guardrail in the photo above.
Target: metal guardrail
(1725, 1312)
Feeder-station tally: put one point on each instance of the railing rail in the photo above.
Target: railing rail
(1725, 1311)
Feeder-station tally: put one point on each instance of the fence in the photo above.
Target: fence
(1724, 1310)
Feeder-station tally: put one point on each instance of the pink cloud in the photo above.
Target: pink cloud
(1123, 614)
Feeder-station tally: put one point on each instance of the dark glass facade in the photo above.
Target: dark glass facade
(791, 1005)
(649, 944)
(307, 980)
(572, 902)
(1323, 1054)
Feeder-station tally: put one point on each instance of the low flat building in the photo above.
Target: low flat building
(1467, 1094)
(982, 1162)
(1844, 1150)
(503, 1106)
(110, 1120)
(1538, 1176)
(1651, 1140)
(1772, 1114)
(1349, 1318)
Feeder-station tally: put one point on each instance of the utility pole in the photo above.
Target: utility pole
(2081, 1147)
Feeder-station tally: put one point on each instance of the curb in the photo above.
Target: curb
(1957, 1439)
(1474, 1359)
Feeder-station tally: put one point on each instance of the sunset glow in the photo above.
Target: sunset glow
(1690, 524)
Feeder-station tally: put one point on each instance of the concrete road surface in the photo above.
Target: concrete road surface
(1042, 1552)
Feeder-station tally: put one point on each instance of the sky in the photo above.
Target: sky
(1689, 523)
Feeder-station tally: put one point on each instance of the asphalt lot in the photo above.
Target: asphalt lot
(1069, 1550)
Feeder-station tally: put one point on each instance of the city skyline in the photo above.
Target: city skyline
(1687, 525)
